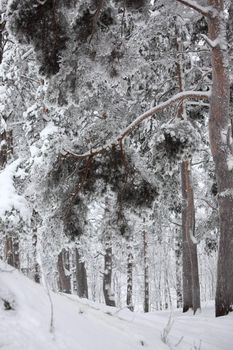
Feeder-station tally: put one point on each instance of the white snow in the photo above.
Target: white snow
(82, 325)
(48, 130)
(10, 199)
(230, 162)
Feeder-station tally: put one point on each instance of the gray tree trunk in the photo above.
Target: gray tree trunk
(107, 277)
(36, 266)
(12, 251)
(81, 276)
(191, 287)
(129, 299)
(146, 272)
(63, 267)
(178, 254)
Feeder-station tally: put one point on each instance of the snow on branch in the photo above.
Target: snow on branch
(41, 2)
(194, 95)
(211, 43)
(205, 11)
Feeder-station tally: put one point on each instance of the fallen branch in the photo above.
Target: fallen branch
(194, 95)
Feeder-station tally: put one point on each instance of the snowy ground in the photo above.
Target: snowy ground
(82, 325)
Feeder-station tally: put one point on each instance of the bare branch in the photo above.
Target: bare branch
(205, 11)
(211, 43)
(194, 95)
(208, 203)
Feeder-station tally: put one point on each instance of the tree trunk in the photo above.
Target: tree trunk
(107, 278)
(191, 288)
(81, 276)
(36, 266)
(12, 251)
(178, 254)
(129, 299)
(146, 272)
(221, 147)
(6, 148)
(63, 266)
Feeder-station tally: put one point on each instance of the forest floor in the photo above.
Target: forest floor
(83, 325)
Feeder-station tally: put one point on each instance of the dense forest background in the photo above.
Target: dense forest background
(98, 196)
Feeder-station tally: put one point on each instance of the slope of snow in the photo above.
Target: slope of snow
(83, 325)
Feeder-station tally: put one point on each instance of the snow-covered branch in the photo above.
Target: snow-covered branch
(41, 2)
(205, 11)
(194, 95)
(211, 43)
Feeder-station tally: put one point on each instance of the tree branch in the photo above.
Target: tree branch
(205, 11)
(211, 43)
(195, 95)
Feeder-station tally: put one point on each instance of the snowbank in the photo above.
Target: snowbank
(82, 325)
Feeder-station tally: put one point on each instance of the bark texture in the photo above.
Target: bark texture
(221, 148)
(191, 288)
(146, 273)
(107, 278)
(129, 299)
(12, 251)
(36, 266)
(178, 253)
(81, 276)
(64, 272)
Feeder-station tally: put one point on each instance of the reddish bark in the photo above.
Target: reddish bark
(219, 130)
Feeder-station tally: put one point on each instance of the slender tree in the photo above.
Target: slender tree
(129, 298)
(146, 272)
(107, 277)
(81, 276)
(63, 267)
(221, 146)
(191, 287)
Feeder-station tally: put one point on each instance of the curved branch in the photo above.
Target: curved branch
(194, 95)
(205, 11)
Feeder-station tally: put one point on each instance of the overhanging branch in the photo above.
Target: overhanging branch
(205, 11)
(194, 95)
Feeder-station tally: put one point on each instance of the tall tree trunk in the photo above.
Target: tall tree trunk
(191, 288)
(146, 272)
(12, 251)
(178, 254)
(63, 267)
(6, 148)
(220, 136)
(36, 266)
(107, 277)
(129, 299)
(81, 276)
(221, 146)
